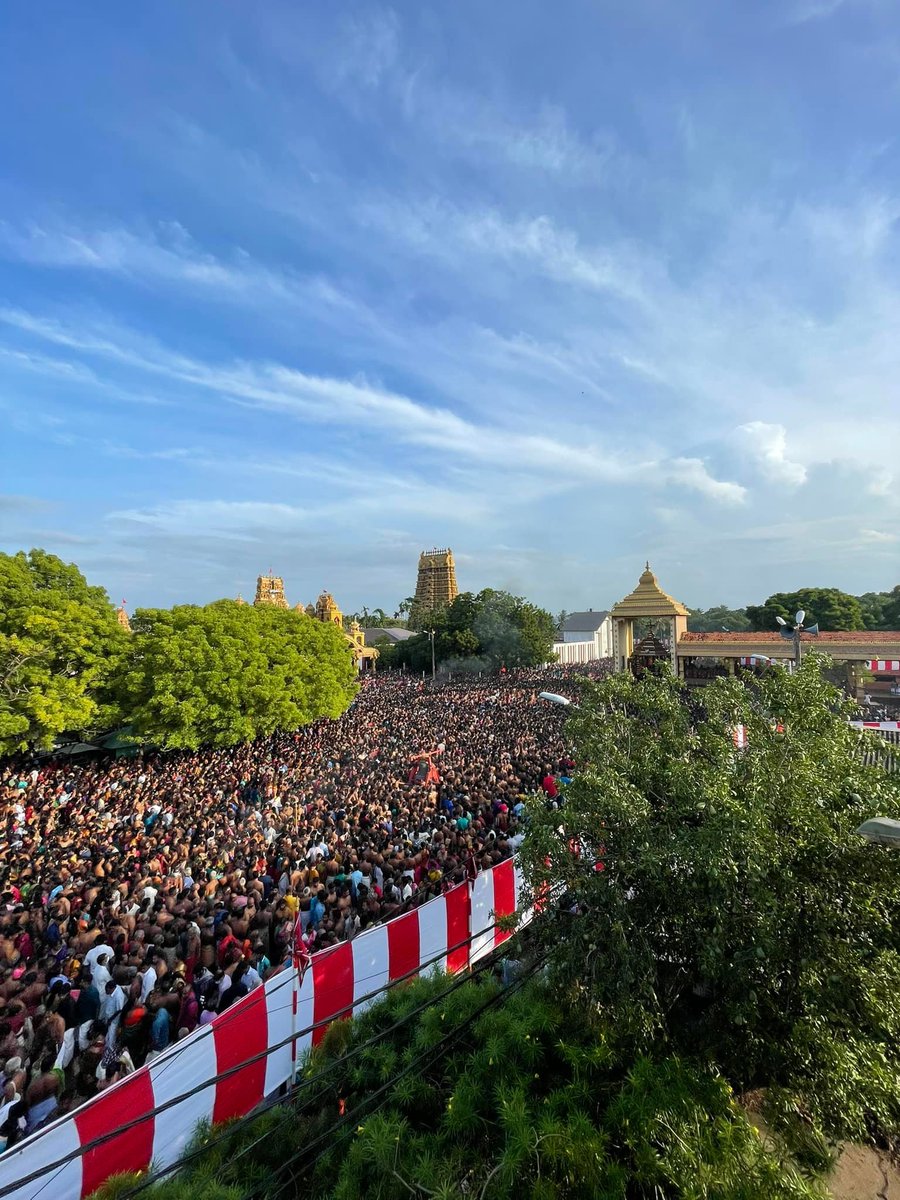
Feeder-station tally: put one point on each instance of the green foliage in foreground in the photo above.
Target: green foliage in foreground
(530, 1101)
(60, 647)
(739, 918)
(228, 673)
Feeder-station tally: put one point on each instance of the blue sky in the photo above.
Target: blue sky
(316, 286)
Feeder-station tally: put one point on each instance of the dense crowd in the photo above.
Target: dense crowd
(141, 897)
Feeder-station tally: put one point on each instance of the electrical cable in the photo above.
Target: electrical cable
(275, 1101)
(102, 1139)
(349, 1119)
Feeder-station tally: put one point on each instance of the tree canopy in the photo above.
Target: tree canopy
(227, 673)
(60, 647)
(881, 610)
(832, 608)
(711, 620)
(484, 630)
(738, 917)
(495, 1094)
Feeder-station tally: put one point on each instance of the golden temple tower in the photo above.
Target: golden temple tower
(328, 611)
(436, 582)
(122, 618)
(270, 590)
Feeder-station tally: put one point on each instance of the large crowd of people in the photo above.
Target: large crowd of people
(141, 897)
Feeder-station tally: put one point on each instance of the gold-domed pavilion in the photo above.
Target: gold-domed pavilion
(647, 605)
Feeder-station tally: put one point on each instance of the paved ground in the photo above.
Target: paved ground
(862, 1173)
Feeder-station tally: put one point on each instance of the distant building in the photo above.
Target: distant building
(122, 618)
(387, 633)
(270, 590)
(435, 583)
(328, 611)
(584, 637)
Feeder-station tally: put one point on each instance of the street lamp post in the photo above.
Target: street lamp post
(793, 634)
(431, 639)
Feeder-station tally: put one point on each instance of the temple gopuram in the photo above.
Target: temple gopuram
(435, 583)
(270, 590)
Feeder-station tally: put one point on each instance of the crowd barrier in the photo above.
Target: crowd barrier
(224, 1069)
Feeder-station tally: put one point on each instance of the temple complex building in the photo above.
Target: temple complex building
(649, 627)
(647, 624)
(435, 584)
(122, 618)
(270, 590)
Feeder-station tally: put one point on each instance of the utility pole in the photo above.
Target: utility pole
(431, 639)
(794, 634)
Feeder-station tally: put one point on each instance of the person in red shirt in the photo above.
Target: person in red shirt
(548, 783)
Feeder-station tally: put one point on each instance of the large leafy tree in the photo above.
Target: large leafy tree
(489, 629)
(60, 646)
(228, 672)
(881, 610)
(738, 916)
(491, 1095)
(711, 620)
(832, 608)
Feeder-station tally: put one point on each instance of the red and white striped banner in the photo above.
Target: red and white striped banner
(892, 725)
(455, 930)
(884, 665)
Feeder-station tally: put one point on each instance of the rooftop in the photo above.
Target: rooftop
(390, 633)
(585, 622)
(649, 600)
(864, 637)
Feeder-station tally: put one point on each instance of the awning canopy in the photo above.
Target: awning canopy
(884, 830)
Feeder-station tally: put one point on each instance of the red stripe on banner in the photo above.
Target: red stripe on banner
(332, 986)
(504, 896)
(239, 1033)
(458, 907)
(403, 945)
(130, 1150)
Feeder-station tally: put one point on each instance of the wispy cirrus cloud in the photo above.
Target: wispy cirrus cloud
(167, 254)
(277, 388)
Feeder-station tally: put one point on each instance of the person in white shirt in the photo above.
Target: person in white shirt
(148, 982)
(100, 972)
(95, 952)
(112, 1001)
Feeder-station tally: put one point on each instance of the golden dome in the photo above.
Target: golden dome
(649, 600)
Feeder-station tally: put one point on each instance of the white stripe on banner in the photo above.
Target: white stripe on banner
(482, 915)
(177, 1073)
(433, 933)
(370, 965)
(46, 1146)
(279, 1007)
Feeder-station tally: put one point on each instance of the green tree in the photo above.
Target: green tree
(489, 628)
(739, 917)
(833, 609)
(227, 673)
(890, 614)
(387, 653)
(493, 1095)
(60, 646)
(711, 620)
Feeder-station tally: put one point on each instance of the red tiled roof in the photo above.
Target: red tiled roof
(858, 636)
